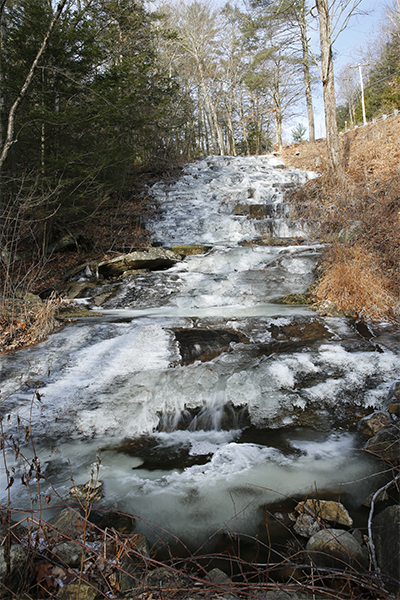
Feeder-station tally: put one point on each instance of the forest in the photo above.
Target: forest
(99, 96)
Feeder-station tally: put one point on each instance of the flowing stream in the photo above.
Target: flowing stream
(207, 398)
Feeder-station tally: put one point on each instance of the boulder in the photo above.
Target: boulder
(203, 344)
(190, 249)
(386, 538)
(70, 553)
(91, 491)
(371, 424)
(151, 258)
(336, 548)
(77, 591)
(327, 510)
(306, 525)
(18, 567)
(386, 444)
(68, 522)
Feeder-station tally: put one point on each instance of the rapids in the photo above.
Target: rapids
(206, 396)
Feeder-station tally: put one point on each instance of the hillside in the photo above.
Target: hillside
(359, 217)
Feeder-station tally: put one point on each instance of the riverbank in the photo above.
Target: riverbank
(359, 218)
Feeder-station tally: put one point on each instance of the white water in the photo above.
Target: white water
(168, 454)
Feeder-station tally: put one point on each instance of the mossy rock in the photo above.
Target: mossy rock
(76, 313)
(296, 299)
(190, 249)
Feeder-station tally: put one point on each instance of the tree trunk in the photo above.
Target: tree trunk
(307, 75)
(332, 134)
(243, 123)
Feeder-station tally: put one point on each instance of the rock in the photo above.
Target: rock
(203, 344)
(252, 211)
(77, 289)
(219, 577)
(18, 569)
(386, 444)
(113, 520)
(68, 313)
(68, 522)
(151, 258)
(129, 576)
(163, 578)
(326, 510)
(371, 424)
(191, 249)
(295, 299)
(69, 553)
(329, 309)
(336, 548)
(381, 497)
(394, 409)
(393, 405)
(386, 538)
(349, 234)
(77, 591)
(91, 491)
(221, 581)
(306, 525)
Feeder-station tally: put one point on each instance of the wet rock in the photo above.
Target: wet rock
(69, 553)
(68, 522)
(91, 491)
(329, 309)
(306, 525)
(386, 444)
(133, 565)
(386, 538)
(381, 497)
(113, 520)
(151, 258)
(252, 211)
(77, 591)
(203, 344)
(18, 569)
(295, 299)
(77, 289)
(327, 510)
(336, 548)
(371, 424)
(394, 409)
(269, 240)
(190, 249)
(393, 405)
(77, 313)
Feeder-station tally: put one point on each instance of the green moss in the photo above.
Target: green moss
(296, 299)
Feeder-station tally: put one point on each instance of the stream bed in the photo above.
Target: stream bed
(205, 398)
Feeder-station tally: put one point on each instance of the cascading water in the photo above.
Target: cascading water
(207, 398)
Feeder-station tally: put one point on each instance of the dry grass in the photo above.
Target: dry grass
(25, 322)
(353, 281)
(363, 273)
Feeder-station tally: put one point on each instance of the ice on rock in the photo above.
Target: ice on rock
(173, 435)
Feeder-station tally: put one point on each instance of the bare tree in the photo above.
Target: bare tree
(333, 18)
